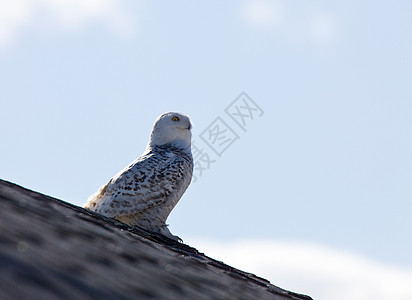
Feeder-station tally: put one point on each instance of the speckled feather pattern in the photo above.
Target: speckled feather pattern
(146, 191)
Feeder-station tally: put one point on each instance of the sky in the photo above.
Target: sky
(301, 115)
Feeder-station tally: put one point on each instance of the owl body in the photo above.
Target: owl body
(145, 192)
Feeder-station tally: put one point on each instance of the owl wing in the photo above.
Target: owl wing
(145, 183)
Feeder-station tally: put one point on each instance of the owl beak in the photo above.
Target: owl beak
(189, 127)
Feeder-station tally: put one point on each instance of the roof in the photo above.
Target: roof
(51, 249)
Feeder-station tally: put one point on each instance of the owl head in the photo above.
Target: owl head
(171, 128)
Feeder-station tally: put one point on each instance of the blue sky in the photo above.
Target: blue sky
(328, 163)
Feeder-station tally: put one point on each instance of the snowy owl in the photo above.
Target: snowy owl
(145, 192)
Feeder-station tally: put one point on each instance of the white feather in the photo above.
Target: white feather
(145, 192)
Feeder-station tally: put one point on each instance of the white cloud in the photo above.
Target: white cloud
(262, 14)
(295, 21)
(13, 15)
(320, 272)
(63, 15)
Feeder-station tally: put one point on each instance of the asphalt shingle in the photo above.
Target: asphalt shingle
(51, 249)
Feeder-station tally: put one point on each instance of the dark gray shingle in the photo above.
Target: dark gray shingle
(50, 249)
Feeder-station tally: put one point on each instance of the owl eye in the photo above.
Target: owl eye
(175, 119)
